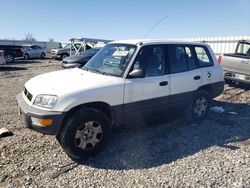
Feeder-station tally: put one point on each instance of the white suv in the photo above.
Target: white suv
(125, 81)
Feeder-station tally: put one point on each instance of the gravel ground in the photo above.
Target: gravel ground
(160, 153)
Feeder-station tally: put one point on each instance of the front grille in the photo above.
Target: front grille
(28, 94)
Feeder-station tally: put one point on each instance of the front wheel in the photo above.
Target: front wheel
(26, 56)
(63, 56)
(85, 133)
(198, 108)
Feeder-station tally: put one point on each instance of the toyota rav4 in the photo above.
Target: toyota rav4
(125, 81)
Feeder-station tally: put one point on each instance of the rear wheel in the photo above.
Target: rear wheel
(42, 55)
(198, 108)
(9, 58)
(85, 133)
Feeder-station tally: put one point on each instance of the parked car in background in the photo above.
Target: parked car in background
(126, 81)
(236, 65)
(11, 52)
(33, 51)
(2, 58)
(79, 60)
(61, 53)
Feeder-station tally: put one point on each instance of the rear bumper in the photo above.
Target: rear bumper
(2, 61)
(28, 112)
(237, 77)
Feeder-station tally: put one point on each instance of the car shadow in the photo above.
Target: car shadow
(18, 62)
(11, 68)
(244, 86)
(159, 142)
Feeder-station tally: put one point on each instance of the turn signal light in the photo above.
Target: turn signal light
(41, 122)
(46, 122)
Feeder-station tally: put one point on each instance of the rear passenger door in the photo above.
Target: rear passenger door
(34, 51)
(185, 75)
(205, 63)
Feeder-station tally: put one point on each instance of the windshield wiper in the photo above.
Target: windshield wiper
(95, 70)
(85, 68)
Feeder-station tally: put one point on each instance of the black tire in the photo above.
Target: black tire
(63, 56)
(26, 56)
(79, 122)
(42, 55)
(198, 108)
(227, 81)
(9, 58)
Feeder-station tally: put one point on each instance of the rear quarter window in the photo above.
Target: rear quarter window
(203, 56)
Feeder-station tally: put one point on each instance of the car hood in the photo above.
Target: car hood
(74, 58)
(65, 82)
(59, 49)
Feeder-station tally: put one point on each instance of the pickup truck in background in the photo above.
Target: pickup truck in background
(236, 66)
(61, 53)
(11, 52)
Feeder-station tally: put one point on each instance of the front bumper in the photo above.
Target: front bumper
(55, 56)
(28, 112)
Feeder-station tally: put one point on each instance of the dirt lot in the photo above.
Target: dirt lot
(159, 153)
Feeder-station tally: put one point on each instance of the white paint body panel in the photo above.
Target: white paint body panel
(76, 86)
(145, 88)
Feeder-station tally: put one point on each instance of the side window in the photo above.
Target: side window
(190, 58)
(152, 60)
(243, 48)
(33, 47)
(203, 58)
(178, 61)
(77, 46)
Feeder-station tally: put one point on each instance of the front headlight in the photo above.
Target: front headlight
(46, 101)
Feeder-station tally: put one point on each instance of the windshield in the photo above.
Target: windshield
(26, 47)
(67, 46)
(72, 47)
(90, 52)
(111, 59)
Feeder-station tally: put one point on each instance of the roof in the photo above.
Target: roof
(247, 41)
(154, 41)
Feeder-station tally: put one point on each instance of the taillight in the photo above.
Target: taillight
(219, 59)
(21, 49)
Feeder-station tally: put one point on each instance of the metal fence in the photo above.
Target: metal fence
(219, 45)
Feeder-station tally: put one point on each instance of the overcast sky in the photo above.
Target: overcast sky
(123, 19)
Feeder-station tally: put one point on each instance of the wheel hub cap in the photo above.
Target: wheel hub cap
(200, 106)
(88, 135)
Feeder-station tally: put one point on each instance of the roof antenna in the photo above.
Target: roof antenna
(156, 24)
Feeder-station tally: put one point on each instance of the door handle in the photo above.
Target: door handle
(209, 74)
(244, 62)
(163, 83)
(197, 77)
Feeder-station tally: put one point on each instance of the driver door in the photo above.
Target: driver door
(143, 96)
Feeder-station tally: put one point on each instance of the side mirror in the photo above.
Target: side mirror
(137, 73)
